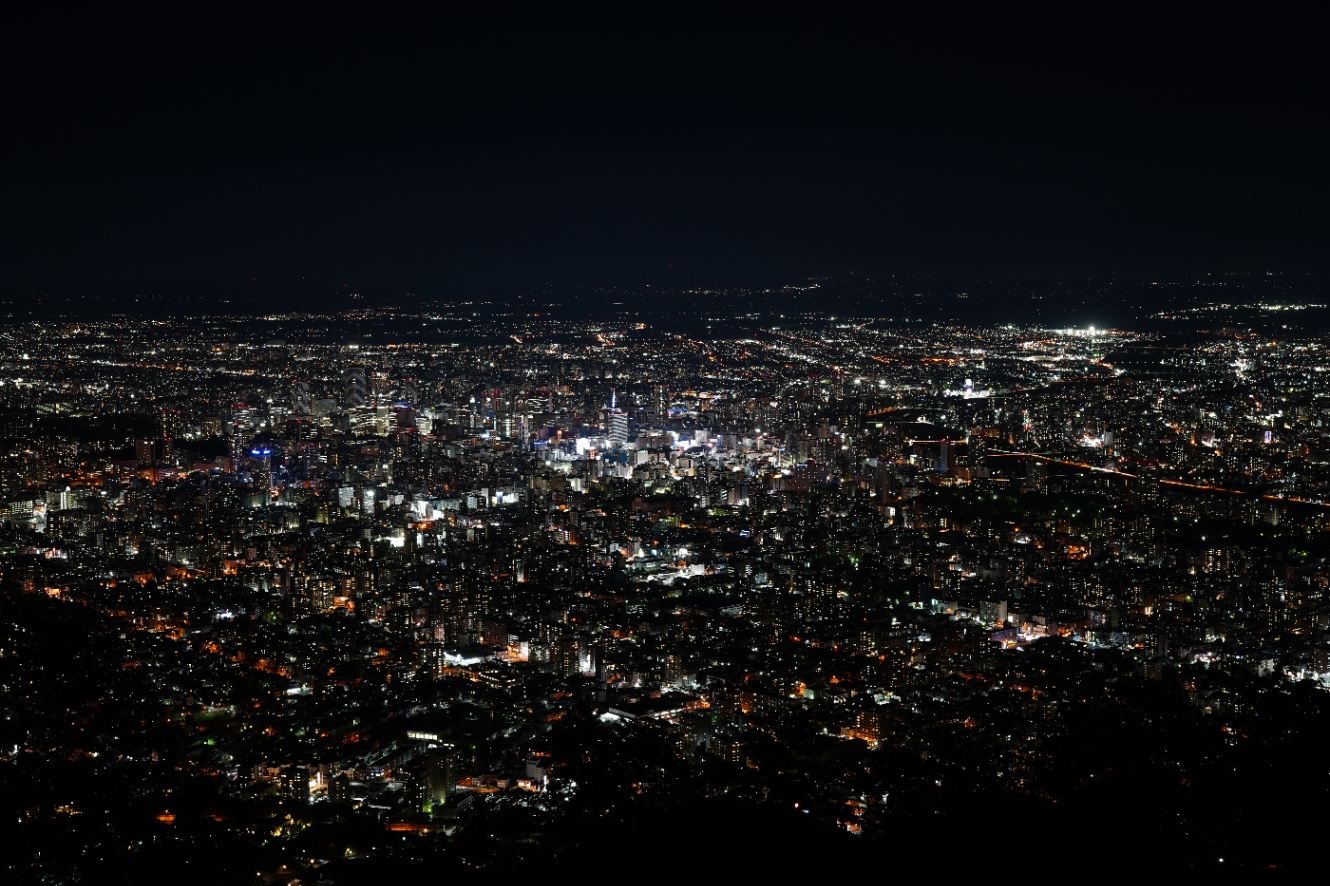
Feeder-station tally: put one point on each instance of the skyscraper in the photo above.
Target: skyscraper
(616, 423)
(355, 387)
(946, 456)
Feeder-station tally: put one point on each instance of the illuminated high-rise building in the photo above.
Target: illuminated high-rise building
(616, 423)
(355, 387)
(145, 452)
(301, 401)
(261, 455)
(946, 456)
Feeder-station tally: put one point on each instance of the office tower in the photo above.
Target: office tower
(355, 387)
(617, 423)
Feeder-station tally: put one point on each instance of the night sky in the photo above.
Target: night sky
(492, 147)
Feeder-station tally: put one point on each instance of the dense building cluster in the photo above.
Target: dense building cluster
(463, 587)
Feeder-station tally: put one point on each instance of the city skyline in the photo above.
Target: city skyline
(524, 441)
(428, 590)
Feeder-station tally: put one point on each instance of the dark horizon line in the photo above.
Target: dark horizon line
(719, 282)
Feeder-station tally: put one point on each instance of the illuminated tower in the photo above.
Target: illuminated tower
(145, 452)
(170, 419)
(439, 777)
(660, 401)
(355, 387)
(301, 401)
(238, 428)
(617, 423)
(262, 467)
